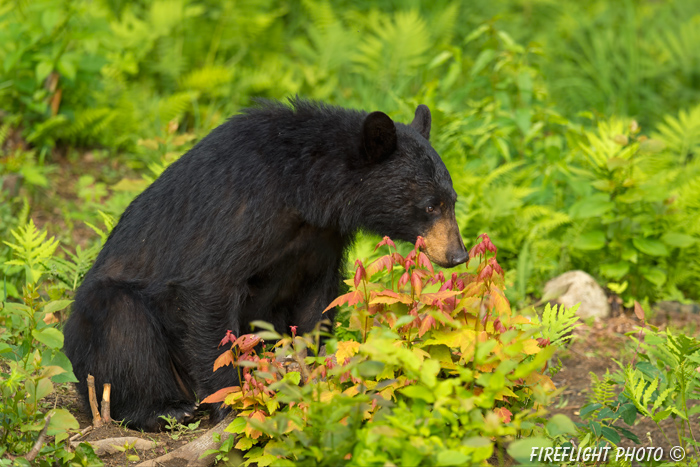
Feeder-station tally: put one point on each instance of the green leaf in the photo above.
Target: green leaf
(61, 420)
(592, 206)
(451, 457)
(51, 337)
(611, 435)
(678, 240)
(293, 377)
(418, 392)
(523, 449)
(53, 358)
(588, 408)
(650, 246)
(42, 71)
(628, 412)
(654, 275)
(615, 270)
(370, 368)
(594, 240)
(482, 60)
(560, 424)
(236, 426)
(56, 305)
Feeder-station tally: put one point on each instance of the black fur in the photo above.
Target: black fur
(251, 224)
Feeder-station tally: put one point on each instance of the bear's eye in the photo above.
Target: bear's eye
(430, 209)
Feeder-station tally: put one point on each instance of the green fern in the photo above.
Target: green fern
(32, 251)
(558, 323)
(682, 133)
(602, 391)
(109, 223)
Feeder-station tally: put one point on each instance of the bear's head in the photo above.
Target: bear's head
(413, 189)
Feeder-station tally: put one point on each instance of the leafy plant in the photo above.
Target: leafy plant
(442, 374)
(31, 362)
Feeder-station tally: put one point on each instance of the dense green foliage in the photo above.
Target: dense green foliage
(571, 130)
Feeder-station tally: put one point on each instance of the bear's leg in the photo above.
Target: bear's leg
(115, 336)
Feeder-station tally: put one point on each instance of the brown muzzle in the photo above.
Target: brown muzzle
(444, 244)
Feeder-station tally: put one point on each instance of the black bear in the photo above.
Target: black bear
(251, 224)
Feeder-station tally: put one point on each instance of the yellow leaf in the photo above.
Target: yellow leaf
(346, 349)
(530, 347)
(519, 319)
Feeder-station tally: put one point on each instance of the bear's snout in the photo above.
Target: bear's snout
(444, 244)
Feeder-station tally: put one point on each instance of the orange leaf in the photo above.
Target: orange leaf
(416, 283)
(638, 311)
(504, 413)
(385, 262)
(224, 359)
(220, 395)
(428, 322)
(251, 432)
(351, 298)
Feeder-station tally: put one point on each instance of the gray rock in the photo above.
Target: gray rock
(577, 286)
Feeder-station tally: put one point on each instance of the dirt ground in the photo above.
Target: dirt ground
(162, 443)
(593, 350)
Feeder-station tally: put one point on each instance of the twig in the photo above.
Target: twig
(96, 419)
(105, 402)
(80, 434)
(31, 455)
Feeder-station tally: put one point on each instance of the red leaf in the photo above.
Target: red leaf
(495, 265)
(221, 394)
(385, 241)
(486, 273)
(404, 279)
(224, 359)
(420, 242)
(425, 262)
(398, 259)
(229, 337)
(360, 272)
(479, 249)
(247, 342)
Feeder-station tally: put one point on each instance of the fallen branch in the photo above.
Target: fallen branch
(80, 434)
(96, 419)
(31, 455)
(105, 402)
(113, 445)
(190, 453)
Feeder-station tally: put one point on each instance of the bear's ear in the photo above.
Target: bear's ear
(421, 122)
(379, 136)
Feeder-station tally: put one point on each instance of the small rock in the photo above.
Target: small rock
(577, 286)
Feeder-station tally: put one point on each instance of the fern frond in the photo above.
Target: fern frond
(558, 322)
(32, 250)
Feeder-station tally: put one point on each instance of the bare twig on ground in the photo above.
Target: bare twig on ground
(114, 445)
(105, 402)
(96, 419)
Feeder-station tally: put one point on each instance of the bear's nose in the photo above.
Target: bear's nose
(458, 257)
